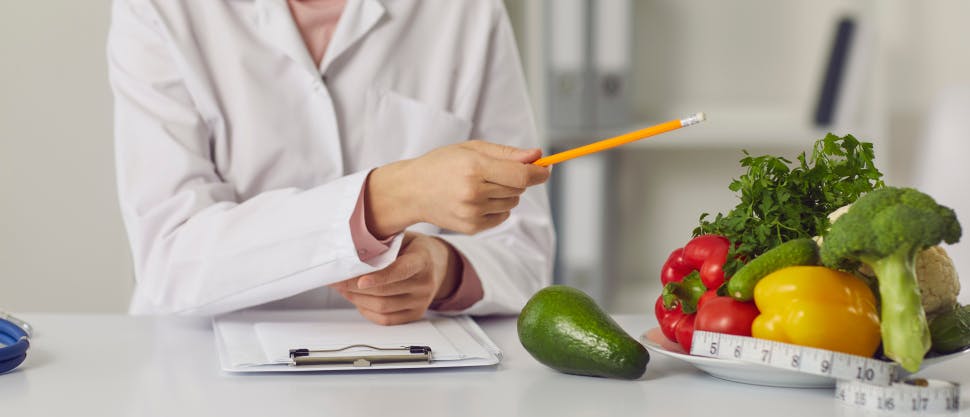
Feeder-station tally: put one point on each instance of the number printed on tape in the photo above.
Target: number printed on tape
(792, 357)
(861, 381)
(935, 397)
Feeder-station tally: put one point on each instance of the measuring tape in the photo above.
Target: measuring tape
(913, 395)
(861, 381)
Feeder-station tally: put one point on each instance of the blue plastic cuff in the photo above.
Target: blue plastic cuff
(17, 343)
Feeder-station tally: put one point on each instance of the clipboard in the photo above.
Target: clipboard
(342, 340)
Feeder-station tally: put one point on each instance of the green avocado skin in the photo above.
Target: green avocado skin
(564, 329)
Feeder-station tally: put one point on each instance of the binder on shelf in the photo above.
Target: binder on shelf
(331, 340)
(833, 84)
(567, 41)
(587, 64)
(611, 69)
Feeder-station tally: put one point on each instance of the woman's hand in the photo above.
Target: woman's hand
(426, 269)
(466, 187)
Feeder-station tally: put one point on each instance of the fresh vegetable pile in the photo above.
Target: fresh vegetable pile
(870, 281)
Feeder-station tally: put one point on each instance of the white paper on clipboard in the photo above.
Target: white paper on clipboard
(259, 340)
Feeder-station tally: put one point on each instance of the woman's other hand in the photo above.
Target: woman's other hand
(426, 270)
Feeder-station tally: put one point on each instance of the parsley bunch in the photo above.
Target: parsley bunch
(780, 202)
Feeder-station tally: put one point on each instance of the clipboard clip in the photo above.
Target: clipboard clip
(401, 354)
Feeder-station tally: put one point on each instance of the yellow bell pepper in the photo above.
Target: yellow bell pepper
(817, 307)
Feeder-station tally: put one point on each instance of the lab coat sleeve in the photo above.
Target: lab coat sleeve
(196, 248)
(515, 259)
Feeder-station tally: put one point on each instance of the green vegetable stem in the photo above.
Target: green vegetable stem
(686, 293)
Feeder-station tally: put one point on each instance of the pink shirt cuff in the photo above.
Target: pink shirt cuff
(469, 290)
(368, 246)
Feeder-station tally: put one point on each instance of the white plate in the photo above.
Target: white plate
(751, 373)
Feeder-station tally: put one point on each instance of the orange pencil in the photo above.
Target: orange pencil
(620, 140)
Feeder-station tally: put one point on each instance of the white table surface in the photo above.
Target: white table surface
(116, 365)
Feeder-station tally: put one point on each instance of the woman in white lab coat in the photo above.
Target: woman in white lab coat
(243, 163)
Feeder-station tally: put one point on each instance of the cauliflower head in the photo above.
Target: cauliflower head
(938, 281)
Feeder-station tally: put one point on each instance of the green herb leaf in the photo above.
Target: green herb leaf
(781, 200)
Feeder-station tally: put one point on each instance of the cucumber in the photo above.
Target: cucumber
(794, 252)
(950, 331)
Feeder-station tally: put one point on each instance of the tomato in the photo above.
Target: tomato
(726, 315)
(707, 296)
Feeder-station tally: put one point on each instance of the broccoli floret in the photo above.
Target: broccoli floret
(885, 229)
(936, 275)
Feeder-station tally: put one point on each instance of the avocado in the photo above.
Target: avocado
(564, 329)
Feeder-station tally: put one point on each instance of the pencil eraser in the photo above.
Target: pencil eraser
(693, 119)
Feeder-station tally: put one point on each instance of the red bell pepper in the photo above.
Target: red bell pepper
(705, 254)
(676, 315)
(675, 324)
(668, 318)
(691, 276)
(685, 331)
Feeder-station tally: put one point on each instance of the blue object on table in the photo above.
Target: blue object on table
(14, 342)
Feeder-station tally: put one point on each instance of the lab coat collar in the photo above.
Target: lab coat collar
(359, 17)
(278, 27)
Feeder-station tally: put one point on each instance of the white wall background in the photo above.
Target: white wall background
(927, 65)
(62, 246)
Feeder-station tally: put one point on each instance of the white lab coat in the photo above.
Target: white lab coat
(240, 160)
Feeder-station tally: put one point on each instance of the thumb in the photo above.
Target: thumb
(505, 152)
(405, 266)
